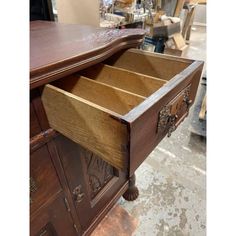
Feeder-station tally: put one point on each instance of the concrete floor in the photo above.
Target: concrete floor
(172, 180)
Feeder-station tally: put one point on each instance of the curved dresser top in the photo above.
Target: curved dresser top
(57, 50)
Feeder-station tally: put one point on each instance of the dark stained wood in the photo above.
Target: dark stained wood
(58, 49)
(34, 123)
(144, 118)
(44, 183)
(39, 109)
(55, 220)
(72, 188)
(118, 222)
(132, 192)
(61, 175)
(106, 209)
(84, 118)
(41, 138)
(91, 180)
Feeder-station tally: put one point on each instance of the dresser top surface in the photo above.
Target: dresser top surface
(56, 47)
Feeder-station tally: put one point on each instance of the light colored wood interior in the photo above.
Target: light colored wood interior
(88, 124)
(127, 80)
(110, 97)
(147, 63)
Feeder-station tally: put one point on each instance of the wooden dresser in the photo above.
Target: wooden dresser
(97, 110)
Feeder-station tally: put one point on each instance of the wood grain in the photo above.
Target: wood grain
(112, 98)
(147, 63)
(76, 164)
(124, 79)
(94, 127)
(57, 50)
(143, 119)
(53, 220)
(44, 177)
(178, 8)
(123, 141)
(41, 138)
(34, 123)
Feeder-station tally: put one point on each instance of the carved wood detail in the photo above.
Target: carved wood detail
(99, 172)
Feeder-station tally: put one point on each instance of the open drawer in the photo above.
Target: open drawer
(122, 108)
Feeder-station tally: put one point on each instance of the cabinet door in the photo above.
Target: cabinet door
(44, 183)
(92, 182)
(54, 220)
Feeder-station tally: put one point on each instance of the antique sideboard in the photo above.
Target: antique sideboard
(98, 107)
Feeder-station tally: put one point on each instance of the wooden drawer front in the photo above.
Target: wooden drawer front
(54, 220)
(117, 112)
(162, 112)
(44, 183)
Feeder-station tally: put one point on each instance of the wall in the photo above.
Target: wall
(200, 15)
(78, 11)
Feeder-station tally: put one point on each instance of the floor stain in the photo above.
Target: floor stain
(183, 219)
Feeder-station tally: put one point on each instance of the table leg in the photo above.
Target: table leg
(132, 192)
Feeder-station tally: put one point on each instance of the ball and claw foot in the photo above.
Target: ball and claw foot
(132, 192)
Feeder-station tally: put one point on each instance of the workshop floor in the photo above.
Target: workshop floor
(172, 180)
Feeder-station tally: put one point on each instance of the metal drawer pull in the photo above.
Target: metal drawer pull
(78, 194)
(171, 115)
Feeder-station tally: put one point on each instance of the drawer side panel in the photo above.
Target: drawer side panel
(87, 125)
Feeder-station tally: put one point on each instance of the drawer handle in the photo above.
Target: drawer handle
(78, 194)
(171, 115)
(188, 101)
(172, 125)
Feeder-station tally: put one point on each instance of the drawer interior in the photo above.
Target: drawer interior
(133, 82)
(104, 95)
(110, 87)
(152, 64)
(88, 107)
(116, 108)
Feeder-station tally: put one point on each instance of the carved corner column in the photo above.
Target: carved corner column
(132, 192)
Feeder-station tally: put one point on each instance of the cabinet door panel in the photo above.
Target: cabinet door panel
(54, 220)
(44, 182)
(92, 181)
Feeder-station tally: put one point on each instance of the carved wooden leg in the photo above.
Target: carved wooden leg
(132, 192)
